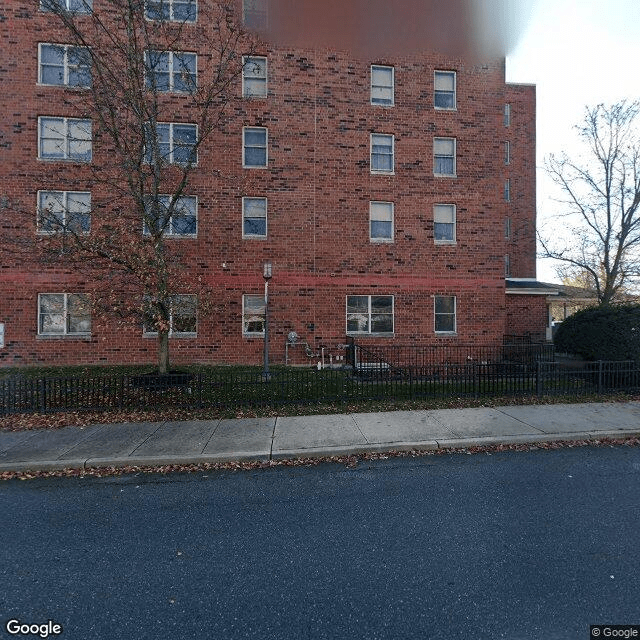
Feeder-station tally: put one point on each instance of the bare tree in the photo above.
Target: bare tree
(599, 236)
(133, 80)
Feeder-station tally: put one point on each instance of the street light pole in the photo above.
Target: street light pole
(266, 274)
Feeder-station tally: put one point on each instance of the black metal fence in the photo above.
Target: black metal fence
(229, 390)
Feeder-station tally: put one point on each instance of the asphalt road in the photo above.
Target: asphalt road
(535, 545)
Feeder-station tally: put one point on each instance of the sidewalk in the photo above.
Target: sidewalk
(198, 441)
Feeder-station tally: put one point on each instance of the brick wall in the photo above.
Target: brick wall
(318, 184)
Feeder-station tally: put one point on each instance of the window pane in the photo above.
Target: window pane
(381, 230)
(255, 68)
(443, 146)
(255, 227)
(79, 212)
(51, 210)
(443, 231)
(183, 314)
(184, 224)
(51, 64)
(445, 304)
(80, 139)
(381, 323)
(184, 139)
(79, 67)
(80, 6)
(358, 304)
(184, 72)
(254, 314)
(51, 313)
(255, 137)
(381, 304)
(78, 314)
(255, 157)
(184, 10)
(52, 138)
(358, 322)
(445, 81)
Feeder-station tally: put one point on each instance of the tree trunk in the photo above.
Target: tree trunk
(163, 351)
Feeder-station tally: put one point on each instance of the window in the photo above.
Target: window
(253, 315)
(254, 217)
(64, 65)
(64, 211)
(171, 10)
(73, 6)
(175, 143)
(369, 314)
(381, 221)
(182, 220)
(507, 152)
(444, 223)
(445, 314)
(63, 314)
(254, 147)
(382, 85)
(507, 227)
(254, 77)
(444, 156)
(382, 160)
(507, 266)
(507, 115)
(254, 14)
(507, 190)
(444, 90)
(64, 139)
(182, 317)
(170, 71)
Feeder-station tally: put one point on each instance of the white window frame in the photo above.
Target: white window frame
(72, 6)
(252, 334)
(65, 317)
(67, 155)
(507, 190)
(392, 154)
(245, 201)
(63, 197)
(245, 130)
(454, 92)
(390, 102)
(507, 115)
(388, 205)
(369, 316)
(171, 4)
(169, 232)
(174, 61)
(453, 223)
(453, 157)
(247, 62)
(507, 227)
(66, 66)
(173, 145)
(507, 152)
(454, 314)
(176, 334)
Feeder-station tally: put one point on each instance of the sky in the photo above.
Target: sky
(578, 53)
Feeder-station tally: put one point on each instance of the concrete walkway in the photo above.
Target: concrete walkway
(221, 440)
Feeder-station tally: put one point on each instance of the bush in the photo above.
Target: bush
(601, 333)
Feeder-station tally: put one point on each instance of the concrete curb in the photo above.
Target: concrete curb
(318, 452)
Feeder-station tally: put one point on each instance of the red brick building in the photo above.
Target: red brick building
(392, 196)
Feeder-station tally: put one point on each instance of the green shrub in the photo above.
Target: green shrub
(601, 333)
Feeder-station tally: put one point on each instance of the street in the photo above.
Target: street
(517, 545)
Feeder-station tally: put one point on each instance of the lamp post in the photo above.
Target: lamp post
(266, 274)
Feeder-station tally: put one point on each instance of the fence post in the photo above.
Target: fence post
(43, 395)
(476, 385)
(599, 377)
(539, 385)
